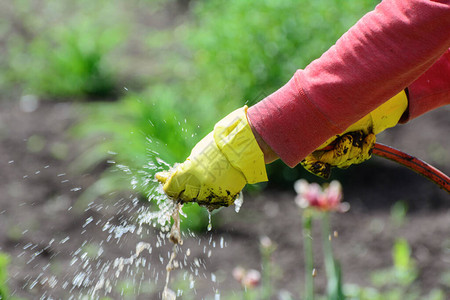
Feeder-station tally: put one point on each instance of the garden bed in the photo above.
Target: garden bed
(39, 214)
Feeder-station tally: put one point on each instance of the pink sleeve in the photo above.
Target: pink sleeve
(382, 54)
(431, 90)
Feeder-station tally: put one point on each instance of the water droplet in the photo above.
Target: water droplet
(196, 262)
(238, 202)
(88, 220)
(191, 283)
(64, 240)
(209, 221)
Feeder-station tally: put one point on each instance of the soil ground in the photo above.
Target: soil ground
(59, 246)
(46, 231)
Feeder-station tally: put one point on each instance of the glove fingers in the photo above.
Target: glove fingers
(360, 153)
(328, 157)
(367, 147)
(348, 149)
(317, 167)
(339, 154)
(343, 151)
(369, 143)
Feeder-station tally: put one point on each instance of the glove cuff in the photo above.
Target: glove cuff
(389, 113)
(235, 139)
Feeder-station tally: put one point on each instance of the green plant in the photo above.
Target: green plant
(404, 270)
(268, 268)
(398, 213)
(332, 266)
(137, 137)
(355, 292)
(4, 289)
(318, 202)
(308, 254)
(396, 282)
(256, 285)
(126, 288)
(63, 57)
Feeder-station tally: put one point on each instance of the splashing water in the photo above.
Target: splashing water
(175, 238)
(238, 202)
(134, 226)
(160, 217)
(158, 214)
(209, 221)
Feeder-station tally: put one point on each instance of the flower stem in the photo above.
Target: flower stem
(334, 285)
(308, 252)
(266, 286)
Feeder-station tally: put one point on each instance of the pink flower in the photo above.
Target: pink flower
(239, 273)
(252, 279)
(266, 242)
(248, 278)
(324, 199)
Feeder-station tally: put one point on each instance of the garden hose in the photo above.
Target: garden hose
(323, 169)
(413, 163)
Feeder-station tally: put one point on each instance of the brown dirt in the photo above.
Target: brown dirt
(42, 228)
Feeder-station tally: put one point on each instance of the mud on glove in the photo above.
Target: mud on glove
(355, 144)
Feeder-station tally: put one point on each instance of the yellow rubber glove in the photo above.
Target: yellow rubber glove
(355, 144)
(219, 166)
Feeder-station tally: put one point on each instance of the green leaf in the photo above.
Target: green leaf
(401, 254)
(4, 262)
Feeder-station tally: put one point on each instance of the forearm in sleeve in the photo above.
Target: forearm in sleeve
(387, 50)
(431, 90)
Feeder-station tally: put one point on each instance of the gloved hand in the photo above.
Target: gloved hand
(219, 166)
(355, 144)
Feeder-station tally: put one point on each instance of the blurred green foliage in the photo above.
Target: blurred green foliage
(225, 55)
(222, 55)
(396, 282)
(404, 270)
(61, 47)
(398, 213)
(4, 262)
